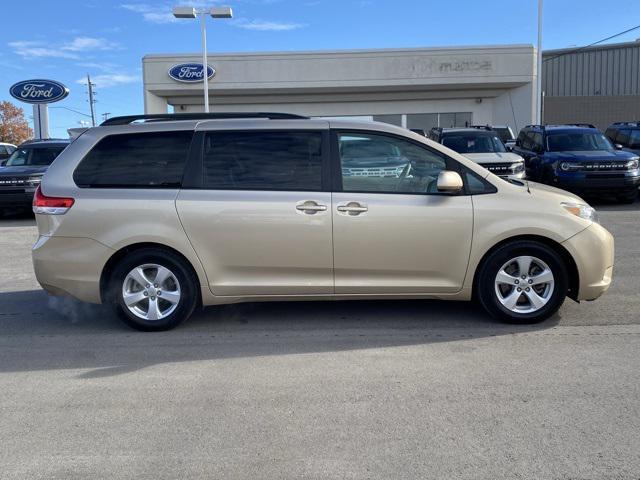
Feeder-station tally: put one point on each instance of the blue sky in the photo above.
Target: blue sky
(66, 39)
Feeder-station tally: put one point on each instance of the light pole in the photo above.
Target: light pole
(215, 12)
(539, 67)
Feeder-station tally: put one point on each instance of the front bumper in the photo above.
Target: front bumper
(16, 198)
(70, 266)
(614, 183)
(592, 250)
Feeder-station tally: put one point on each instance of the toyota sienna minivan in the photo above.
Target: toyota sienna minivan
(160, 214)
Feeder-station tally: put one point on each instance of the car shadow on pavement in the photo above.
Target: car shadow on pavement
(612, 205)
(50, 333)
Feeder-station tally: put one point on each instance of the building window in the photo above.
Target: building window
(395, 119)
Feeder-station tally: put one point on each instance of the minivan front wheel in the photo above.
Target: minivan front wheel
(153, 290)
(522, 282)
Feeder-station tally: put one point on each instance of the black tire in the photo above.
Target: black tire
(486, 281)
(185, 276)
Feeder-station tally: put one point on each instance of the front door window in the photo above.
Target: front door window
(383, 164)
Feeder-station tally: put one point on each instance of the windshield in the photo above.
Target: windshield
(470, 143)
(577, 142)
(33, 156)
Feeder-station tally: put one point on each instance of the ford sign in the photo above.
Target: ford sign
(190, 72)
(39, 91)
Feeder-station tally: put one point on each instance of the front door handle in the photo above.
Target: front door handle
(310, 207)
(353, 208)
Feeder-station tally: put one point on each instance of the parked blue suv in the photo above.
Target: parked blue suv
(578, 158)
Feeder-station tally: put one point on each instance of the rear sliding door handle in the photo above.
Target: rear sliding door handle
(310, 207)
(353, 208)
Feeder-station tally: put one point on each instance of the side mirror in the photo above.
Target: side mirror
(617, 146)
(449, 182)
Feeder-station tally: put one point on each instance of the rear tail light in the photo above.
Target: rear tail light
(50, 205)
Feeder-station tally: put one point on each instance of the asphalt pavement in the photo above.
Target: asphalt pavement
(380, 390)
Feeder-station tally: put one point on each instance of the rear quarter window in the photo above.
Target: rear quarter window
(136, 160)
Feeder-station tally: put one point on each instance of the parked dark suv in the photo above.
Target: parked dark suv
(625, 134)
(23, 171)
(578, 158)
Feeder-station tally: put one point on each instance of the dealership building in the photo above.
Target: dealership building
(597, 84)
(415, 88)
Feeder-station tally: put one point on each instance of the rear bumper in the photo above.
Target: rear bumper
(70, 266)
(593, 251)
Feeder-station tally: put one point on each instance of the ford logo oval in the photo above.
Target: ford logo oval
(39, 91)
(190, 72)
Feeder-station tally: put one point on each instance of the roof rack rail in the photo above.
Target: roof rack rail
(482, 127)
(168, 117)
(583, 125)
(635, 123)
(40, 140)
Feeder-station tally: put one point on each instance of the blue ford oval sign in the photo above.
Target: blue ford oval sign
(190, 72)
(39, 91)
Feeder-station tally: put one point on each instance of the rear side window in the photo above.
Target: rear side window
(136, 160)
(622, 137)
(263, 161)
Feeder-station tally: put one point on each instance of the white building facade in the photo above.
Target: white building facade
(416, 88)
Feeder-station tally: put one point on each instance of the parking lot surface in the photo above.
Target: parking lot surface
(407, 389)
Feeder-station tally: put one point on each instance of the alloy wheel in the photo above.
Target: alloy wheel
(524, 284)
(151, 292)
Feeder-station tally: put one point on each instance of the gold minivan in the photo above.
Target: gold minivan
(159, 214)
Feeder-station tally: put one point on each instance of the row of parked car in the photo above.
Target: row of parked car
(576, 157)
(22, 168)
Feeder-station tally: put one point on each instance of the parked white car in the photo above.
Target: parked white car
(483, 146)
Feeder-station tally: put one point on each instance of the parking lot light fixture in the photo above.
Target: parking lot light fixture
(184, 12)
(221, 12)
(215, 12)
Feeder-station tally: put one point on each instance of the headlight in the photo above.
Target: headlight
(570, 167)
(632, 164)
(34, 181)
(581, 210)
(517, 167)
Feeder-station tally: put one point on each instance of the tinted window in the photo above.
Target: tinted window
(527, 142)
(622, 137)
(263, 161)
(378, 163)
(537, 141)
(473, 143)
(634, 139)
(135, 160)
(37, 156)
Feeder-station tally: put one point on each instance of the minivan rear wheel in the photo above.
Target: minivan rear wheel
(153, 290)
(522, 282)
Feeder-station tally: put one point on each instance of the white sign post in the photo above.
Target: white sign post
(41, 120)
